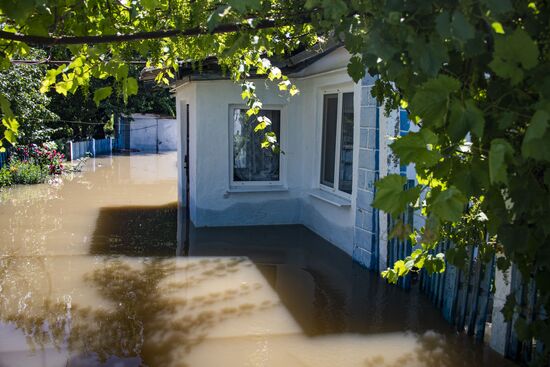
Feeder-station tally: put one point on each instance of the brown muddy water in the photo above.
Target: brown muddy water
(89, 277)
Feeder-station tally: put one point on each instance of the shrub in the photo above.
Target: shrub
(6, 178)
(25, 172)
(45, 155)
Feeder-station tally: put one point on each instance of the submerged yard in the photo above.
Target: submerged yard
(91, 273)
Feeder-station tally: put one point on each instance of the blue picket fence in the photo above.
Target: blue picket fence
(4, 156)
(465, 295)
(91, 148)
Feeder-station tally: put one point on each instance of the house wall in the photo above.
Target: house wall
(332, 222)
(218, 204)
(186, 95)
(366, 249)
(214, 202)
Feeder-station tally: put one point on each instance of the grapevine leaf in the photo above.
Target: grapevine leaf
(101, 93)
(431, 100)
(535, 142)
(417, 148)
(391, 196)
(447, 204)
(513, 54)
(498, 153)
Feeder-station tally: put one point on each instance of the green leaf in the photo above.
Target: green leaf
(391, 196)
(430, 102)
(263, 122)
(429, 55)
(121, 72)
(443, 24)
(461, 28)
(513, 54)
(63, 87)
(498, 6)
(435, 264)
(464, 118)
(417, 148)
(5, 105)
(10, 136)
(216, 16)
(129, 88)
(497, 27)
(356, 69)
(536, 140)
(499, 152)
(242, 5)
(447, 204)
(335, 9)
(149, 4)
(101, 93)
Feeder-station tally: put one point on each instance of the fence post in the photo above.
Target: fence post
(93, 147)
(499, 326)
(70, 152)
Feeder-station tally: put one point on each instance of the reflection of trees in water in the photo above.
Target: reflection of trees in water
(148, 317)
(432, 350)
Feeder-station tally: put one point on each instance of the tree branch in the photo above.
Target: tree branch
(169, 33)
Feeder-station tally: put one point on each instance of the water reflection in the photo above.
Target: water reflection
(87, 278)
(151, 311)
(136, 231)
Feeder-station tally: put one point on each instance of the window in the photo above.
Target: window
(250, 162)
(337, 141)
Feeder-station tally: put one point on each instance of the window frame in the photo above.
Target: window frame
(340, 90)
(282, 142)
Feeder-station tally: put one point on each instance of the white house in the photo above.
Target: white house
(335, 142)
(324, 179)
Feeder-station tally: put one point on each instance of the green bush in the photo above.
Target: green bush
(5, 177)
(28, 173)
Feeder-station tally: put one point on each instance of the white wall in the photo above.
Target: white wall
(215, 203)
(186, 94)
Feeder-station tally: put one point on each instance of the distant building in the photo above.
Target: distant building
(146, 133)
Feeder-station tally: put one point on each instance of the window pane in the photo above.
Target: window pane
(346, 144)
(250, 161)
(328, 148)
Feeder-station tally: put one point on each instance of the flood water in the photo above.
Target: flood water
(89, 276)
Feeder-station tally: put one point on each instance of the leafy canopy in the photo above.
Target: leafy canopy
(474, 76)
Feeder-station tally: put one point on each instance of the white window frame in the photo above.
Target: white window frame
(339, 91)
(282, 144)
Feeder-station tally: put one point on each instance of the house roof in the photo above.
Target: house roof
(210, 69)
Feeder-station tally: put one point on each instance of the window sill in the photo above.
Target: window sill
(330, 198)
(259, 188)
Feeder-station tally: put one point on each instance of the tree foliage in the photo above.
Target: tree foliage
(88, 111)
(19, 85)
(473, 75)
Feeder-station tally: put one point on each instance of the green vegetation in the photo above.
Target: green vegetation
(20, 86)
(474, 76)
(31, 164)
(5, 177)
(43, 117)
(27, 173)
(82, 118)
